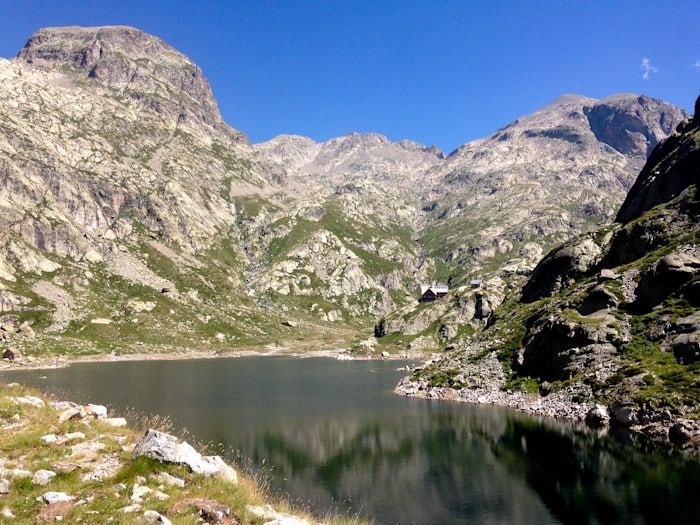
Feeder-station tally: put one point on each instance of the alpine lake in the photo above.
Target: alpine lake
(332, 437)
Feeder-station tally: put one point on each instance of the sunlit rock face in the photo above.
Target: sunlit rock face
(117, 171)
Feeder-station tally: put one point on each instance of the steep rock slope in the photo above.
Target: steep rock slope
(611, 316)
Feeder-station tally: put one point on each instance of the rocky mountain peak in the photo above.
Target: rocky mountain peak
(133, 63)
(645, 122)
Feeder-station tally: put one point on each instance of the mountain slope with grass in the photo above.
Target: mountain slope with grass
(134, 219)
(609, 321)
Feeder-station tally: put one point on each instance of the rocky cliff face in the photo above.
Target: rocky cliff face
(612, 316)
(131, 213)
(135, 65)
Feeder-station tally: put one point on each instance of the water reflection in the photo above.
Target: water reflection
(333, 437)
(586, 480)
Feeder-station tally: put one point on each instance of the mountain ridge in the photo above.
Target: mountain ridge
(131, 213)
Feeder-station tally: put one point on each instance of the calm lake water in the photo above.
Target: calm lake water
(332, 436)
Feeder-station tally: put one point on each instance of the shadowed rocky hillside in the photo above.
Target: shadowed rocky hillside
(132, 218)
(610, 317)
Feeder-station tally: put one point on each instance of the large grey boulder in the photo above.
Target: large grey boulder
(598, 417)
(560, 267)
(667, 276)
(167, 449)
(558, 349)
(686, 348)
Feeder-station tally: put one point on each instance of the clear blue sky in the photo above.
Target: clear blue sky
(437, 72)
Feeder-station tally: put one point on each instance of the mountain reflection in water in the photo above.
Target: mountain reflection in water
(333, 437)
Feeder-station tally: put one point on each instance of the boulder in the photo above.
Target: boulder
(558, 348)
(72, 413)
(686, 348)
(30, 400)
(599, 298)
(598, 417)
(169, 479)
(560, 266)
(666, 276)
(624, 416)
(11, 354)
(684, 431)
(54, 497)
(26, 330)
(167, 449)
(43, 477)
(272, 517)
(93, 256)
(141, 492)
(152, 516)
(689, 324)
(137, 306)
(115, 421)
(98, 411)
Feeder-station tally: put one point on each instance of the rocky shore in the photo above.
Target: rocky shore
(682, 433)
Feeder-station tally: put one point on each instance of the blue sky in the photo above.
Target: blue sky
(437, 72)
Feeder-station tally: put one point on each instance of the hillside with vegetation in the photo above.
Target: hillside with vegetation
(607, 322)
(133, 219)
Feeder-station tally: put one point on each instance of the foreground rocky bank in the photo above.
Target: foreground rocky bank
(60, 461)
(607, 327)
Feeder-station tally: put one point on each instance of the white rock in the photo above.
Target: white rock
(99, 411)
(55, 497)
(14, 473)
(71, 413)
(93, 256)
(30, 400)
(115, 421)
(169, 479)
(4, 486)
(226, 471)
(166, 448)
(71, 436)
(49, 439)
(43, 477)
(273, 517)
(151, 516)
(139, 306)
(131, 508)
(6, 513)
(139, 492)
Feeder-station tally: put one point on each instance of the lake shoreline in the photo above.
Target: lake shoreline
(559, 406)
(60, 361)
